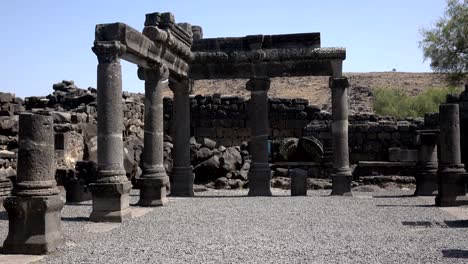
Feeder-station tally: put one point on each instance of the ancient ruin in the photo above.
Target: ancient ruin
(35, 205)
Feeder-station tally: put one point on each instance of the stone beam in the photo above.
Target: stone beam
(270, 63)
(144, 51)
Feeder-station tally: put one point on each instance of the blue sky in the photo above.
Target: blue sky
(46, 41)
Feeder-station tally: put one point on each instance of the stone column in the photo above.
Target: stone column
(111, 189)
(426, 177)
(35, 205)
(154, 180)
(451, 174)
(259, 173)
(182, 175)
(341, 176)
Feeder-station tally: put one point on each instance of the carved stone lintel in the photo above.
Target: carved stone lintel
(108, 51)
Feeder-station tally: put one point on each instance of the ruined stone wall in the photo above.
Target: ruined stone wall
(225, 119)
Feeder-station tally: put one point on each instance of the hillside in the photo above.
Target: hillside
(316, 90)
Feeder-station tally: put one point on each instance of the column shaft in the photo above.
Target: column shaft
(341, 177)
(111, 190)
(451, 173)
(182, 173)
(34, 208)
(426, 177)
(154, 180)
(259, 173)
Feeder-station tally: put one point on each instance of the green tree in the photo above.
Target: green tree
(446, 44)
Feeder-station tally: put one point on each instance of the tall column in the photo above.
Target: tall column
(111, 189)
(451, 174)
(341, 177)
(35, 205)
(154, 180)
(182, 175)
(259, 173)
(426, 177)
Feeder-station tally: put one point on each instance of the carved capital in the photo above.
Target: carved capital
(338, 82)
(258, 84)
(156, 74)
(180, 86)
(108, 51)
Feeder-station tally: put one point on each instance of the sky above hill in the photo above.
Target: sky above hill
(44, 42)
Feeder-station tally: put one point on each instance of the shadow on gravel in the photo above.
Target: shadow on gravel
(455, 253)
(395, 196)
(75, 219)
(457, 223)
(405, 205)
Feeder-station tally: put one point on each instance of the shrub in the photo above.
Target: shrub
(397, 103)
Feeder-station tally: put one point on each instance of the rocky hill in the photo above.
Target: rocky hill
(315, 89)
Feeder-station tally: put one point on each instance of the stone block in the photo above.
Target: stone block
(298, 182)
(33, 232)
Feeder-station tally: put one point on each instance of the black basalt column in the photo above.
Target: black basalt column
(426, 177)
(259, 173)
(35, 205)
(111, 189)
(154, 180)
(451, 173)
(182, 172)
(341, 176)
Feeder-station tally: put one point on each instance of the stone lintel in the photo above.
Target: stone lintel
(247, 70)
(140, 49)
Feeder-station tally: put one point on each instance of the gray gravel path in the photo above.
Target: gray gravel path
(226, 227)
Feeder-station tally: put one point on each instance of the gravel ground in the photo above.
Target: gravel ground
(228, 227)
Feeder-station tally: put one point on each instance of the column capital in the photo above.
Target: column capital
(157, 73)
(108, 51)
(258, 84)
(180, 86)
(338, 82)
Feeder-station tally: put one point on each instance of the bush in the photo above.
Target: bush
(397, 103)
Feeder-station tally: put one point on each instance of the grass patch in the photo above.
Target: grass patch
(397, 103)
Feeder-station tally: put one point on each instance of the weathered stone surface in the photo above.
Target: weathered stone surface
(298, 182)
(230, 159)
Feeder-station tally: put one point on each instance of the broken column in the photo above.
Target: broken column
(341, 176)
(182, 172)
(426, 177)
(451, 174)
(298, 182)
(35, 205)
(111, 189)
(154, 180)
(259, 173)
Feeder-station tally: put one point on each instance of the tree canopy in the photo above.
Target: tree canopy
(446, 44)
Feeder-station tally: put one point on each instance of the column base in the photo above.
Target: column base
(182, 182)
(153, 191)
(341, 182)
(426, 184)
(452, 187)
(259, 179)
(34, 225)
(110, 202)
